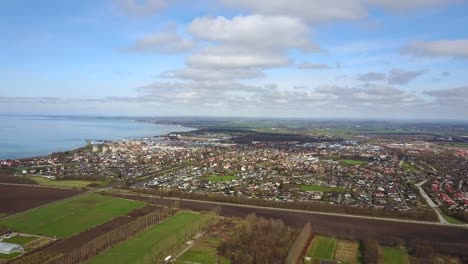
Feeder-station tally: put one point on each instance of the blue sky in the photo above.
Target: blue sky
(295, 58)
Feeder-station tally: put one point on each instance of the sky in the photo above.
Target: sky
(263, 58)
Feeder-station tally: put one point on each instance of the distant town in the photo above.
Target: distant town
(392, 173)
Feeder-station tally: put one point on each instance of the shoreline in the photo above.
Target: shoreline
(88, 141)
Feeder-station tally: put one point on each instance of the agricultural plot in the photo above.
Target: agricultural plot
(322, 248)
(17, 198)
(71, 216)
(347, 251)
(153, 241)
(66, 183)
(20, 240)
(392, 255)
(347, 162)
(204, 251)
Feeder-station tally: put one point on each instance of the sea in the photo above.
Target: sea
(32, 136)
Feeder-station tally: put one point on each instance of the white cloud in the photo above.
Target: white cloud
(311, 10)
(398, 76)
(312, 66)
(439, 48)
(162, 42)
(330, 10)
(372, 76)
(255, 32)
(230, 57)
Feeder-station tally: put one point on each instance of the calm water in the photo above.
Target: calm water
(29, 136)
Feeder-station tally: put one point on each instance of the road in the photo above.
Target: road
(431, 203)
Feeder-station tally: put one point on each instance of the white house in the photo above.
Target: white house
(7, 248)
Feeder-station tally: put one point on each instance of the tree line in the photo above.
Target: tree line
(411, 214)
(259, 240)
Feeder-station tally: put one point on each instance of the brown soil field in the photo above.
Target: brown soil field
(453, 240)
(18, 198)
(79, 240)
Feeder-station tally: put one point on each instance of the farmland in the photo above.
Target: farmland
(21, 198)
(347, 162)
(66, 183)
(322, 248)
(71, 216)
(204, 251)
(161, 236)
(394, 256)
(220, 178)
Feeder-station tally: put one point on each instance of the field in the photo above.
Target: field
(204, 251)
(348, 162)
(316, 188)
(453, 220)
(21, 198)
(393, 255)
(323, 248)
(20, 240)
(152, 240)
(347, 251)
(447, 238)
(409, 167)
(77, 241)
(71, 216)
(220, 178)
(66, 183)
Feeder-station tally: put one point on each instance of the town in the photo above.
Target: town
(388, 174)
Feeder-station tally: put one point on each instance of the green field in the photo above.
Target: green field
(156, 238)
(204, 251)
(348, 162)
(71, 216)
(220, 178)
(453, 220)
(393, 255)
(409, 167)
(9, 256)
(317, 188)
(323, 248)
(19, 240)
(66, 183)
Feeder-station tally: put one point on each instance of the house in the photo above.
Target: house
(7, 248)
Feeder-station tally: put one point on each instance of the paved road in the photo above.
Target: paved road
(431, 203)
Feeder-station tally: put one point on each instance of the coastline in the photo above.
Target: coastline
(87, 142)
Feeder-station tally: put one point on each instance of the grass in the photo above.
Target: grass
(409, 167)
(204, 251)
(71, 216)
(323, 248)
(9, 256)
(66, 183)
(392, 255)
(154, 239)
(317, 188)
(348, 162)
(220, 178)
(453, 220)
(19, 240)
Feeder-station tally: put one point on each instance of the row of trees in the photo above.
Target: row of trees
(413, 214)
(159, 252)
(301, 243)
(104, 242)
(259, 240)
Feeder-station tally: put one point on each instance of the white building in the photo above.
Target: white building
(7, 248)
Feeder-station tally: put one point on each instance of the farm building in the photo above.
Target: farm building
(7, 248)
